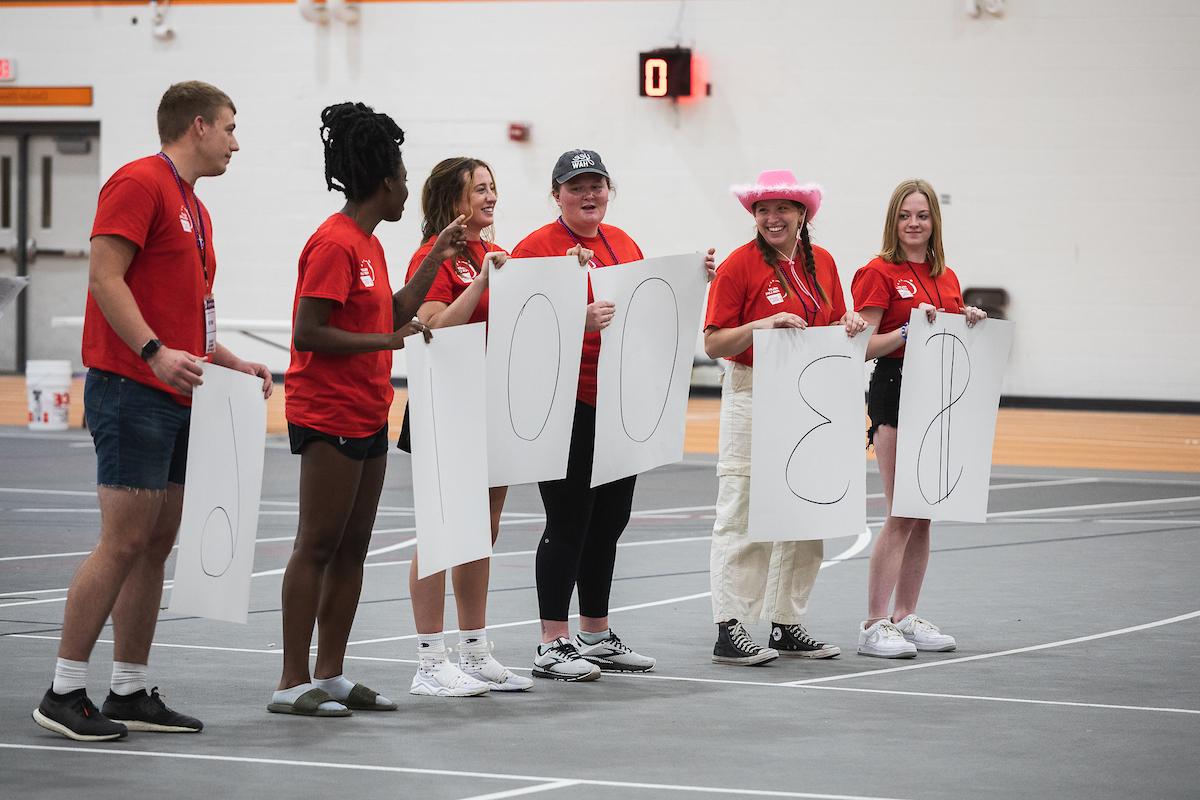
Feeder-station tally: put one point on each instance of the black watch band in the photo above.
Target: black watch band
(150, 348)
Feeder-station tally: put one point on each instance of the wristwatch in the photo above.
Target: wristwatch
(150, 348)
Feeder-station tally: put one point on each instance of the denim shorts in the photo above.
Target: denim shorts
(141, 434)
(883, 395)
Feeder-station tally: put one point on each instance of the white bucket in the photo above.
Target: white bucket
(48, 389)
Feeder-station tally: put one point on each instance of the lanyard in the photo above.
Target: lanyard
(923, 288)
(197, 222)
(804, 289)
(603, 238)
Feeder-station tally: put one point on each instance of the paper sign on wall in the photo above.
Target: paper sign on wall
(807, 473)
(948, 404)
(226, 445)
(446, 402)
(645, 362)
(536, 312)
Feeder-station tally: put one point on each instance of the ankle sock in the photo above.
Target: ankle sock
(588, 637)
(291, 695)
(69, 675)
(128, 678)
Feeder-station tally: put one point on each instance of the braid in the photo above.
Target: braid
(772, 258)
(362, 148)
(810, 266)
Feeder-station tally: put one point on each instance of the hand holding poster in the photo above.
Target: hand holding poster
(226, 445)
(645, 362)
(536, 311)
(948, 404)
(449, 451)
(807, 475)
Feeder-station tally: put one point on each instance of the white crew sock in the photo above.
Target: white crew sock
(473, 650)
(69, 675)
(291, 695)
(128, 678)
(431, 650)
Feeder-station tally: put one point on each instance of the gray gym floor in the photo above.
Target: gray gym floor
(1076, 610)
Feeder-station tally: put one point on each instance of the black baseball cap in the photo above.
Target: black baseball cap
(577, 162)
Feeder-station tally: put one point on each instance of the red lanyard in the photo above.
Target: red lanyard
(196, 222)
(603, 238)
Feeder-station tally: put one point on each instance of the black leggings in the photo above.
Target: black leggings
(583, 524)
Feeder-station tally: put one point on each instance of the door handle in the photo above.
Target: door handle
(32, 252)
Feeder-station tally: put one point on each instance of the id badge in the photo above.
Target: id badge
(210, 324)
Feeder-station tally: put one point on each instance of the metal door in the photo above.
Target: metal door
(8, 246)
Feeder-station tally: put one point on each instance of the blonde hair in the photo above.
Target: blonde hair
(891, 251)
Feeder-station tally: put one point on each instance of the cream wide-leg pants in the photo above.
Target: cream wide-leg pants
(751, 581)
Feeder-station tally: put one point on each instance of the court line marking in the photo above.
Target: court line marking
(540, 779)
(543, 787)
(982, 656)
(1093, 506)
(994, 699)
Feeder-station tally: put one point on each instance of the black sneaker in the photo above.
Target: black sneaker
(147, 712)
(793, 640)
(734, 646)
(74, 716)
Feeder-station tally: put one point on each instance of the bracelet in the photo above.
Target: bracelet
(904, 332)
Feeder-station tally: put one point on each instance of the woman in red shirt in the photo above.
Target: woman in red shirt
(909, 272)
(459, 295)
(579, 546)
(779, 280)
(346, 324)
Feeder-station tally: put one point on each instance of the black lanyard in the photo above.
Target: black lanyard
(197, 222)
(939, 305)
(603, 238)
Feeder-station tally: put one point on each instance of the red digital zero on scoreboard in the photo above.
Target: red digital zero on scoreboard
(666, 72)
(8, 69)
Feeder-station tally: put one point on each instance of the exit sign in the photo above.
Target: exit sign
(8, 69)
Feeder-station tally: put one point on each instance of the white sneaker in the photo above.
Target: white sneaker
(613, 655)
(884, 640)
(478, 663)
(925, 635)
(560, 661)
(444, 679)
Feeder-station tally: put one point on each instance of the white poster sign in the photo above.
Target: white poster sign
(645, 362)
(807, 473)
(446, 402)
(536, 312)
(226, 445)
(948, 404)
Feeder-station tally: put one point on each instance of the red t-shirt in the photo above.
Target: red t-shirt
(455, 275)
(899, 288)
(141, 203)
(554, 240)
(343, 394)
(746, 290)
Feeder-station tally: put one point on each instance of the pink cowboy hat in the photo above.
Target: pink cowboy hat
(779, 184)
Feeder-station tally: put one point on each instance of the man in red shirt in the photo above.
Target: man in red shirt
(150, 320)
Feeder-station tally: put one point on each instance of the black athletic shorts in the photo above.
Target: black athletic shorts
(371, 446)
(883, 395)
(405, 441)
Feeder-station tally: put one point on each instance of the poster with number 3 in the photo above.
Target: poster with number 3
(806, 476)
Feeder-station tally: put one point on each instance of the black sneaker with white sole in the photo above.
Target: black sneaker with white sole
(74, 716)
(734, 646)
(147, 712)
(793, 640)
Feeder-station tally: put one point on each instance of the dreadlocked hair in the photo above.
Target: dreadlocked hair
(771, 256)
(445, 193)
(362, 148)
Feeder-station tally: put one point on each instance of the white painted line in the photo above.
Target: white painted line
(45, 555)
(501, 776)
(1093, 506)
(392, 547)
(982, 656)
(544, 787)
(1023, 700)
(16, 490)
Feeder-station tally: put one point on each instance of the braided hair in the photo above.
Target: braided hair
(770, 255)
(362, 148)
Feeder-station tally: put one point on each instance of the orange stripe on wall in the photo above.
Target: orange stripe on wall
(85, 3)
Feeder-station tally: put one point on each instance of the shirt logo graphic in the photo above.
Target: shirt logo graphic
(774, 293)
(366, 273)
(185, 220)
(464, 270)
(581, 159)
(906, 288)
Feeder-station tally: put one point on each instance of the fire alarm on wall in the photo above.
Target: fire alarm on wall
(518, 131)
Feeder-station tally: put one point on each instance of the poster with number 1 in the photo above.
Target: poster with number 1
(807, 478)
(948, 405)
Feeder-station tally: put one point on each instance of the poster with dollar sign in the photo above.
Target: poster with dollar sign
(948, 404)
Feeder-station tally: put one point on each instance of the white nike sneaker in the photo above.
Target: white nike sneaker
(884, 640)
(613, 655)
(444, 679)
(560, 661)
(925, 635)
(480, 664)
